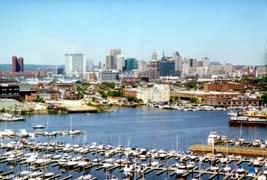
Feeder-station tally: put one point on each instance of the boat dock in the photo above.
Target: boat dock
(243, 151)
(247, 123)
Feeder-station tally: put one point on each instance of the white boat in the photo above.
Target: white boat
(38, 126)
(11, 117)
(213, 138)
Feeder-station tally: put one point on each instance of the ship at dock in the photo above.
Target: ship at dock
(248, 118)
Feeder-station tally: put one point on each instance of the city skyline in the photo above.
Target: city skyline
(228, 32)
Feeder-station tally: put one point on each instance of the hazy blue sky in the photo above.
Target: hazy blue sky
(43, 31)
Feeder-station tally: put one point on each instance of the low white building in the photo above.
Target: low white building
(156, 93)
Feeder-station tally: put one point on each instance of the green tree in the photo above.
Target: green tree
(39, 99)
(102, 94)
(114, 93)
(194, 100)
(264, 99)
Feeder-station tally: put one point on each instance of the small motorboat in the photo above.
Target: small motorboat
(38, 126)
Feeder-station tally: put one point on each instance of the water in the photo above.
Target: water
(143, 127)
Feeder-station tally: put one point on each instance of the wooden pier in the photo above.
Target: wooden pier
(243, 151)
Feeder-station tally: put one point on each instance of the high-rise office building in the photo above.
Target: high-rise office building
(112, 58)
(89, 64)
(131, 64)
(115, 52)
(178, 62)
(75, 65)
(167, 68)
(110, 62)
(17, 64)
(120, 63)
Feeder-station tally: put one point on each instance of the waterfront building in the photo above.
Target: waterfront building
(27, 93)
(153, 94)
(9, 89)
(75, 65)
(131, 64)
(156, 93)
(223, 86)
(215, 98)
(129, 92)
(17, 64)
(50, 94)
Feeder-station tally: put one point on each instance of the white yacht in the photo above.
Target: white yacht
(11, 117)
(213, 138)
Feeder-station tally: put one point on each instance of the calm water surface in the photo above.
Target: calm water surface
(145, 127)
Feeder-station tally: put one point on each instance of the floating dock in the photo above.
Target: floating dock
(247, 123)
(243, 151)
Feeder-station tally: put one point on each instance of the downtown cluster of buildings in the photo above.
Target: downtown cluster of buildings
(118, 67)
(158, 79)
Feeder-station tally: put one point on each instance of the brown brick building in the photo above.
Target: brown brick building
(223, 86)
(129, 92)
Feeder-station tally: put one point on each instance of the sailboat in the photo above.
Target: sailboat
(73, 131)
(38, 126)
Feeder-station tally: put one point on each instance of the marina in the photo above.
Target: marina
(62, 150)
(30, 160)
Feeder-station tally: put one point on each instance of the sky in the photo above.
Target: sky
(43, 31)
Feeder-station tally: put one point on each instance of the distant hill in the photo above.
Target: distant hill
(29, 67)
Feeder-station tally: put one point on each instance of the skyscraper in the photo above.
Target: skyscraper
(131, 64)
(89, 64)
(178, 62)
(120, 62)
(167, 68)
(75, 65)
(112, 58)
(17, 64)
(110, 62)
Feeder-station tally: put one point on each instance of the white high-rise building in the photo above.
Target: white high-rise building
(178, 63)
(142, 65)
(120, 62)
(75, 65)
